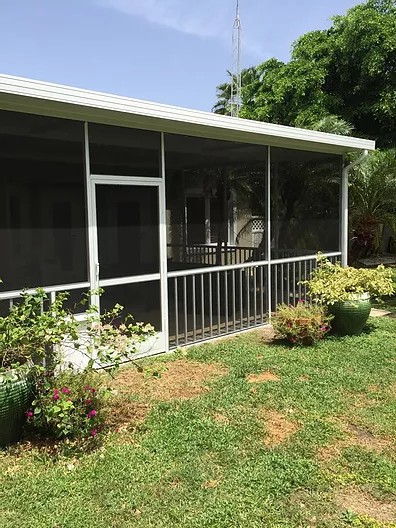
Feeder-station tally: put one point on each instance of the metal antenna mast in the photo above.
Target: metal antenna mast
(236, 78)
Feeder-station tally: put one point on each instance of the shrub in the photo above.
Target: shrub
(330, 283)
(303, 324)
(69, 405)
(34, 337)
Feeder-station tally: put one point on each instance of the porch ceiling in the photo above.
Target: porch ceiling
(26, 95)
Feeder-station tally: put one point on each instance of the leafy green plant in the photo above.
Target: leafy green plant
(29, 331)
(331, 283)
(69, 405)
(33, 338)
(303, 324)
(34, 331)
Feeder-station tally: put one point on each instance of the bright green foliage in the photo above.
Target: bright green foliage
(28, 332)
(346, 72)
(32, 335)
(32, 331)
(331, 283)
(373, 200)
(68, 406)
(303, 324)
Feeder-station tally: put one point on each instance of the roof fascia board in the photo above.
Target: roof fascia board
(61, 101)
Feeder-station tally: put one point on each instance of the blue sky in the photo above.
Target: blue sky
(170, 51)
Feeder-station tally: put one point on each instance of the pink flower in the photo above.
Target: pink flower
(87, 387)
(94, 432)
(66, 390)
(29, 414)
(88, 402)
(56, 396)
(92, 414)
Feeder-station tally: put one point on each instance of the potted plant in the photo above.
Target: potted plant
(347, 292)
(32, 338)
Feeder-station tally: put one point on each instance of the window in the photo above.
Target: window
(305, 190)
(214, 189)
(42, 201)
(124, 151)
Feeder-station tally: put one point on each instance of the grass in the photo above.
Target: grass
(315, 448)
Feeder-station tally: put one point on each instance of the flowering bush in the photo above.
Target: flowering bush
(68, 406)
(303, 324)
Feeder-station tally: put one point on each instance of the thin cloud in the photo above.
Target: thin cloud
(202, 18)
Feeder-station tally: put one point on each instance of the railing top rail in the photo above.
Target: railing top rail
(302, 258)
(48, 289)
(253, 264)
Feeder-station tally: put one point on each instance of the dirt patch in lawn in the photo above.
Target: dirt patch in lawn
(303, 378)
(363, 503)
(356, 435)
(268, 334)
(180, 379)
(210, 484)
(221, 419)
(279, 428)
(123, 413)
(262, 377)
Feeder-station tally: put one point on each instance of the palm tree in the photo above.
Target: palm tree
(223, 91)
(330, 123)
(373, 200)
(223, 95)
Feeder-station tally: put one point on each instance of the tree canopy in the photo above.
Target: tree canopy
(345, 73)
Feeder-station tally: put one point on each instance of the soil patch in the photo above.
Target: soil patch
(221, 419)
(363, 503)
(262, 377)
(210, 484)
(356, 436)
(268, 334)
(122, 413)
(279, 428)
(180, 379)
(304, 378)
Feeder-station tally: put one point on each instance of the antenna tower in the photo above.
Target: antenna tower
(236, 78)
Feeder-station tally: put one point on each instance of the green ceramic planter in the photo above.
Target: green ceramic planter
(15, 397)
(350, 316)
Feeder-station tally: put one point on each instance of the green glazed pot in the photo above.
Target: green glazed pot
(350, 316)
(15, 397)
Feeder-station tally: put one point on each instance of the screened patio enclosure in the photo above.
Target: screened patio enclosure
(197, 223)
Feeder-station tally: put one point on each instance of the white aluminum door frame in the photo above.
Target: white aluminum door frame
(161, 341)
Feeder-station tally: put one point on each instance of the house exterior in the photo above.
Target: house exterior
(198, 223)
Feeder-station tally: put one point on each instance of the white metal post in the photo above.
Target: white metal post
(344, 216)
(344, 206)
(163, 248)
(268, 231)
(93, 264)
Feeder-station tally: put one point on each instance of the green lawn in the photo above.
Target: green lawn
(314, 448)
